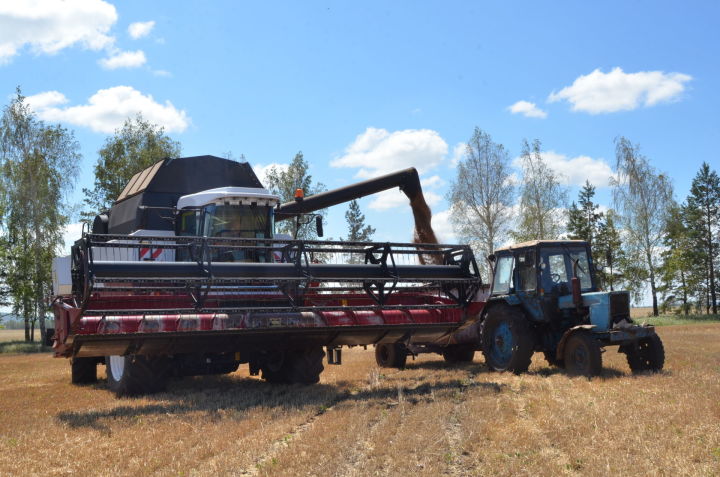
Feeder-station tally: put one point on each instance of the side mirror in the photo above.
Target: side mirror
(319, 225)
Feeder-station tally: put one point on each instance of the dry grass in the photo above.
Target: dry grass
(430, 419)
(15, 335)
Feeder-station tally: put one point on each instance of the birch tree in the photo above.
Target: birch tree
(39, 168)
(642, 196)
(482, 193)
(542, 198)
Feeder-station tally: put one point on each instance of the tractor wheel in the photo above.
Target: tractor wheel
(83, 370)
(649, 355)
(458, 353)
(134, 375)
(302, 366)
(582, 355)
(507, 341)
(550, 357)
(391, 355)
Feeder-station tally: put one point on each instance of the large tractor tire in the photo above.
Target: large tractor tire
(83, 370)
(458, 354)
(391, 355)
(649, 355)
(507, 341)
(582, 355)
(301, 366)
(135, 375)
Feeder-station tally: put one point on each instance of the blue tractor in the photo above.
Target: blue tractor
(544, 297)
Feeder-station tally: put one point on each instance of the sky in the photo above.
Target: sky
(366, 88)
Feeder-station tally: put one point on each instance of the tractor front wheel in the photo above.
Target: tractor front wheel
(648, 355)
(582, 355)
(391, 355)
(507, 341)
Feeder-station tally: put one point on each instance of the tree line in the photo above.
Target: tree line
(647, 240)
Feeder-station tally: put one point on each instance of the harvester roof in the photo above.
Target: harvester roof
(163, 183)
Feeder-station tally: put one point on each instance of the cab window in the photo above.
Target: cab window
(526, 270)
(503, 275)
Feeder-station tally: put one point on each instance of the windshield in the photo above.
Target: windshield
(235, 221)
(503, 275)
(556, 268)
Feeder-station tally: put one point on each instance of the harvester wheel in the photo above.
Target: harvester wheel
(458, 353)
(300, 366)
(83, 370)
(582, 355)
(507, 341)
(391, 355)
(649, 355)
(135, 375)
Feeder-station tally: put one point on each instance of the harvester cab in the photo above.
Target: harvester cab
(545, 297)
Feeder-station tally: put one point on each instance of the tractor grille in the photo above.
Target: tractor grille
(619, 305)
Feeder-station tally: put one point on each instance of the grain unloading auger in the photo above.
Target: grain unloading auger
(185, 276)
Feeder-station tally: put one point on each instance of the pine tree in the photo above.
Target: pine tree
(584, 221)
(703, 218)
(357, 230)
(608, 254)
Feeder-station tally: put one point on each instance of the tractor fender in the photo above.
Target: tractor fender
(561, 345)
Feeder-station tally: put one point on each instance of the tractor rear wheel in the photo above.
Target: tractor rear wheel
(83, 370)
(649, 355)
(582, 355)
(300, 366)
(391, 355)
(507, 341)
(459, 353)
(134, 375)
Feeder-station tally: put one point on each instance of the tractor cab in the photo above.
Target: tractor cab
(231, 213)
(541, 272)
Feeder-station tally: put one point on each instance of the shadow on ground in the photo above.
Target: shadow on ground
(213, 394)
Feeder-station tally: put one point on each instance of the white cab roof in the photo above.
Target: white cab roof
(229, 195)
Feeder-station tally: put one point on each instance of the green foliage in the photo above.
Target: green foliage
(482, 193)
(357, 230)
(135, 146)
(541, 198)
(642, 197)
(39, 168)
(284, 182)
(702, 219)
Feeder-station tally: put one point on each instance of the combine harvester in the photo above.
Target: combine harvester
(184, 276)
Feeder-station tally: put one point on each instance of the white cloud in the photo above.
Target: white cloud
(390, 199)
(48, 26)
(140, 29)
(378, 151)
(527, 109)
(123, 59)
(600, 92)
(162, 73)
(261, 170)
(46, 100)
(443, 227)
(458, 153)
(432, 182)
(576, 170)
(108, 109)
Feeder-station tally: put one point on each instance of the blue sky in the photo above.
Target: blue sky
(367, 87)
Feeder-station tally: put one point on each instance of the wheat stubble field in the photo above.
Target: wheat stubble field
(430, 419)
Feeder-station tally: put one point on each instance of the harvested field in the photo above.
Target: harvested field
(430, 419)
